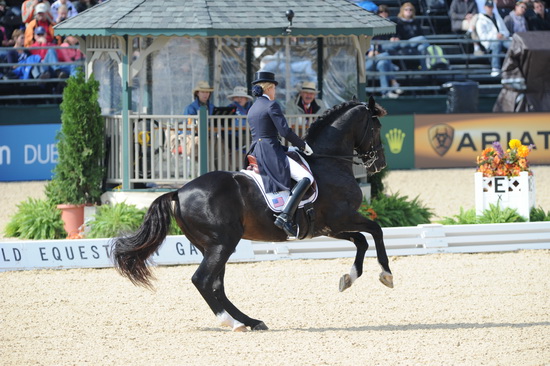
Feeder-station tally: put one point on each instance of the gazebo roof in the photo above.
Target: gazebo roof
(225, 18)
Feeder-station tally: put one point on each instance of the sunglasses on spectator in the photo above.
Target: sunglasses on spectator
(408, 9)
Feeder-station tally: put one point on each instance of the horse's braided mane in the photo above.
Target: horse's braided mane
(328, 118)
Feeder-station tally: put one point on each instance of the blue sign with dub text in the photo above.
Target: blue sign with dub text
(28, 152)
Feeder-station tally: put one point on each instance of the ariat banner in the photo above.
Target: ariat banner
(455, 140)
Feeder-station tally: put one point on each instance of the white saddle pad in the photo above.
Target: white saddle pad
(277, 200)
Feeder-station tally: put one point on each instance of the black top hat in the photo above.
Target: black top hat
(264, 77)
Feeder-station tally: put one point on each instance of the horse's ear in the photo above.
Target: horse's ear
(354, 99)
(372, 103)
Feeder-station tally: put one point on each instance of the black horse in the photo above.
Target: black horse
(219, 208)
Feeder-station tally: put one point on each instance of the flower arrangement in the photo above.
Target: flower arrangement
(494, 161)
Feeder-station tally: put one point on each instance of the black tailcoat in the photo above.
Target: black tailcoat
(267, 121)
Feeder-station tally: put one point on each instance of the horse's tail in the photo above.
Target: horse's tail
(130, 253)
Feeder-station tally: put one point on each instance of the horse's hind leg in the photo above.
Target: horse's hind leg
(208, 279)
(233, 316)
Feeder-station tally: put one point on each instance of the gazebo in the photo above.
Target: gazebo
(149, 54)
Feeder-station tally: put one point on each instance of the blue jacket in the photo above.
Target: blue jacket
(194, 107)
(267, 122)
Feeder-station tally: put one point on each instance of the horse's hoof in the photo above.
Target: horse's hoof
(260, 326)
(387, 279)
(240, 328)
(345, 282)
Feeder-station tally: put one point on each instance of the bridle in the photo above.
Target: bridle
(368, 158)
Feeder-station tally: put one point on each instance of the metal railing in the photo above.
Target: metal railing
(14, 89)
(462, 65)
(168, 151)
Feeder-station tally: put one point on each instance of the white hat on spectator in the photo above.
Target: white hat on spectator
(239, 91)
(40, 8)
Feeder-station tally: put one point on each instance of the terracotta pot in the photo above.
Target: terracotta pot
(73, 217)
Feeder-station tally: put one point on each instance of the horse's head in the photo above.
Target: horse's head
(368, 142)
(347, 127)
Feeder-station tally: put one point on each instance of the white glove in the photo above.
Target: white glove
(307, 150)
(293, 148)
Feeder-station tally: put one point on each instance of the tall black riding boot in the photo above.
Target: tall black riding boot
(285, 220)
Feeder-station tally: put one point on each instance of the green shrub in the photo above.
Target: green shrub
(538, 214)
(36, 219)
(115, 220)
(493, 215)
(376, 183)
(396, 210)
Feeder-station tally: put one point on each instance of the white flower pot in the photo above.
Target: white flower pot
(514, 192)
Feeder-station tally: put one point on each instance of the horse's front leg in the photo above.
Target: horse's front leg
(357, 268)
(361, 244)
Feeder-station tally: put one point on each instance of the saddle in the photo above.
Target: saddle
(305, 214)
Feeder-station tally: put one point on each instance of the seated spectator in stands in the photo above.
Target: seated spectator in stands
(40, 40)
(41, 20)
(383, 65)
(16, 56)
(540, 21)
(306, 101)
(5, 37)
(463, 14)
(515, 21)
(62, 14)
(201, 95)
(71, 9)
(82, 5)
(240, 100)
(28, 10)
(492, 29)
(409, 29)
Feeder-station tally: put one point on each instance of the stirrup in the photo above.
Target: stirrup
(284, 222)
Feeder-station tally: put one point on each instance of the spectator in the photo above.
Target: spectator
(5, 37)
(71, 9)
(201, 95)
(16, 55)
(240, 100)
(540, 21)
(62, 14)
(28, 10)
(40, 40)
(383, 65)
(306, 102)
(41, 20)
(409, 29)
(515, 21)
(492, 29)
(84, 5)
(463, 14)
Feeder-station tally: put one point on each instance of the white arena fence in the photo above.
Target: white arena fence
(174, 149)
(418, 240)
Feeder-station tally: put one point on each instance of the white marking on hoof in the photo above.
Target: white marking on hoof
(386, 278)
(227, 320)
(353, 274)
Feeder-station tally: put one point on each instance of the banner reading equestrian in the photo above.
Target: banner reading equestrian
(455, 140)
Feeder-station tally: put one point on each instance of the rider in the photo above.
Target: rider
(267, 121)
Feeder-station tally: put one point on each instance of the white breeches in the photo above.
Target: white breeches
(297, 172)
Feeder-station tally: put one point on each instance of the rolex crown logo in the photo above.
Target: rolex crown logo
(395, 140)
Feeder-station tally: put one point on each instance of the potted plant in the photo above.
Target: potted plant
(78, 175)
(504, 178)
